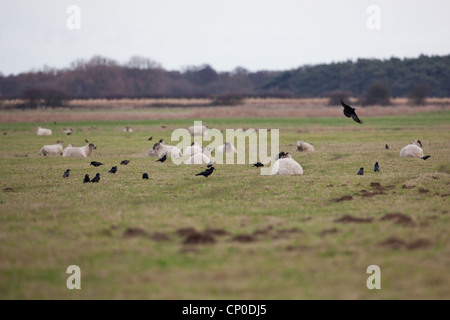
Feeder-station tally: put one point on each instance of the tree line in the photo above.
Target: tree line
(370, 80)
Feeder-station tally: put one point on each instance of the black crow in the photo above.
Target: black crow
(113, 170)
(210, 164)
(150, 139)
(164, 158)
(86, 179)
(163, 127)
(66, 173)
(145, 175)
(426, 157)
(376, 167)
(258, 164)
(387, 147)
(96, 164)
(86, 140)
(96, 178)
(206, 173)
(125, 162)
(361, 172)
(350, 112)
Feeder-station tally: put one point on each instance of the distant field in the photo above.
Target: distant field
(256, 237)
(162, 109)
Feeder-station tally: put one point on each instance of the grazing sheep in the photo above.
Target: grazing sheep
(163, 149)
(74, 152)
(412, 150)
(198, 158)
(197, 130)
(68, 131)
(304, 147)
(227, 147)
(151, 152)
(44, 132)
(127, 129)
(287, 166)
(193, 149)
(52, 149)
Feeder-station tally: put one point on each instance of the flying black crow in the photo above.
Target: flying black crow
(96, 164)
(113, 170)
(125, 162)
(145, 175)
(206, 173)
(361, 172)
(66, 173)
(376, 167)
(96, 178)
(350, 112)
(150, 139)
(258, 164)
(387, 147)
(426, 157)
(86, 179)
(164, 158)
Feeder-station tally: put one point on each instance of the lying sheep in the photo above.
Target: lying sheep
(198, 158)
(44, 132)
(227, 147)
(412, 150)
(52, 149)
(197, 130)
(151, 152)
(304, 147)
(193, 149)
(287, 166)
(163, 149)
(66, 148)
(74, 152)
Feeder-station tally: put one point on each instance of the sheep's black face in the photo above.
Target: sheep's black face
(93, 146)
(420, 143)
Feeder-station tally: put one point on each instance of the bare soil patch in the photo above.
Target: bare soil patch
(159, 236)
(199, 238)
(133, 232)
(351, 219)
(245, 238)
(329, 231)
(397, 218)
(343, 198)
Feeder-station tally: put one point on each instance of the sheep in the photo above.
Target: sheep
(52, 149)
(66, 148)
(197, 130)
(127, 129)
(163, 149)
(304, 147)
(198, 158)
(68, 131)
(412, 150)
(193, 149)
(287, 166)
(84, 152)
(151, 152)
(227, 147)
(44, 132)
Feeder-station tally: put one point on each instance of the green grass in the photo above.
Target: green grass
(299, 252)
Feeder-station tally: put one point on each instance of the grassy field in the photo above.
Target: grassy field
(255, 237)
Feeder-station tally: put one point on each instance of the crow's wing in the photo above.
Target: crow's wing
(355, 117)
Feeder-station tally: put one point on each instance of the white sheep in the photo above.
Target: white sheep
(66, 148)
(304, 147)
(74, 152)
(412, 150)
(52, 149)
(197, 130)
(44, 132)
(227, 147)
(127, 129)
(198, 158)
(163, 149)
(151, 152)
(287, 166)
(193, 149)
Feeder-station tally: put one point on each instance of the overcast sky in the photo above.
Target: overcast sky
(254, 34)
